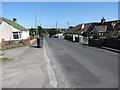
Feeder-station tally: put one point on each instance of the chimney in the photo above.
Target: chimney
(82, 27)
(103, 20)
(14, 19)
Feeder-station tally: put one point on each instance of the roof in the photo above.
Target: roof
(110, 26)
(88, 27)
(15, 25)
(72, 30)
(101, 28)
(78, 28)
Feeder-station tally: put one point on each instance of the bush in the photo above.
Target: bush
(96, 36)
(113, 34)
(52, 32)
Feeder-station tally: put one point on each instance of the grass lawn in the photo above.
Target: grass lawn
(6, 59)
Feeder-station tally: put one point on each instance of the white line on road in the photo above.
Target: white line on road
(51, 75)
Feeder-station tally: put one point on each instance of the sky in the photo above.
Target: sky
(48, 13)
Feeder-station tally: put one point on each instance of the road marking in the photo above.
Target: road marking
(51, 74)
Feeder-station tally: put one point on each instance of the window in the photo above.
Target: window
(15, 35)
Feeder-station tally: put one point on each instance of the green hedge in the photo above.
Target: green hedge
(73, 34)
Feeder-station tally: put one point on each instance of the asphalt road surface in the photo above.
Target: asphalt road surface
(79, 66)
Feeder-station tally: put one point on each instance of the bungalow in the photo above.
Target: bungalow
(10, 30)
(106, 27)
(96, 27)
(73, 29)
(81, 28)
(99, 30)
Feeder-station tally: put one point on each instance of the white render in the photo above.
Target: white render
(25, 34)
(6, 32)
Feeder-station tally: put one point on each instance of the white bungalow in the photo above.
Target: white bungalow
(10, 30)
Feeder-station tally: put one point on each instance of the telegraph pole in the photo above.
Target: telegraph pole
(39, 22)
(56, 25)
(68, 25)
(35, 24)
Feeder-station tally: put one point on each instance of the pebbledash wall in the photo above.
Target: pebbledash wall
(6, 35)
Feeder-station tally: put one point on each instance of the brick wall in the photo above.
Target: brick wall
(14, 43)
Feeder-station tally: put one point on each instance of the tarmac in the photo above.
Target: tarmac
(30, 69)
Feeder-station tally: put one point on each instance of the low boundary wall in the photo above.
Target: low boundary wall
(15, 43)
(111, 43)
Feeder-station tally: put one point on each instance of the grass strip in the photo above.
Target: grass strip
(6, 59)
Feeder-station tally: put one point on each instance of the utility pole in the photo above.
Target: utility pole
(0, 19)
(39, 22)
(56, 25)
(68, 25)
(35, 24)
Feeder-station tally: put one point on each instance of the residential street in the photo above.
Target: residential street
(59, 45)
(81, 66)
(60, 64)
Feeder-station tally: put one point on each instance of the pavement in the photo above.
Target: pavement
(30, 69)
(111, 49)
(0, 71)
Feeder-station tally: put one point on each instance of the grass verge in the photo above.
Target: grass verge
(6, 59)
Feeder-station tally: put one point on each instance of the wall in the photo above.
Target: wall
(25, 34)
(15, 43)
(111, 43)
(6, 31)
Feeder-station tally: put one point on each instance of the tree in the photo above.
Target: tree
(70, 27)
(39, 30)
(113, 34)
(32, 31)
(52, 32)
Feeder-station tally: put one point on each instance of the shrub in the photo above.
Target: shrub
(113, 34)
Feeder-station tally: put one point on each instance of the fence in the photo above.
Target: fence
(102, 42)
(80, 39)
(111, 43)
(71, 38)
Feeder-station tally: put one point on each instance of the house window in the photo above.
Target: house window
(15, 35)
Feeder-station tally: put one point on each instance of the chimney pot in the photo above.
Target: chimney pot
(103, 20)
(14, 19)
(82, 27)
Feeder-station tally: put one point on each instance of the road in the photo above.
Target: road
(79, 66)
